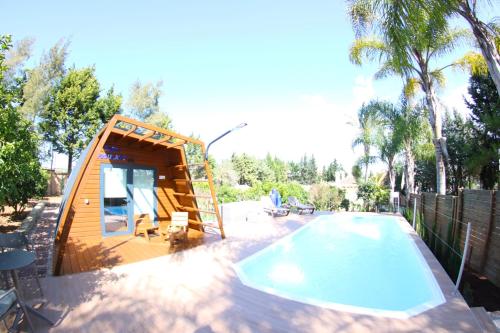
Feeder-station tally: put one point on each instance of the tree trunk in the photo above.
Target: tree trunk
(438, 140)
(409, 171)
(392, 176)
(70, 161)
(485, 41)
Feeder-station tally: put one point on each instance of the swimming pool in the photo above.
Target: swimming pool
(359, 263)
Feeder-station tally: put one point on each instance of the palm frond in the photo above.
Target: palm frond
(362, 15)
(446, 41)
(411, 87)
(369, 48)
(438, 77)
(472, 62)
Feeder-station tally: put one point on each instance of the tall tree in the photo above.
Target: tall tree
(412, 131)
(42, 78)
(367, 122)
(420, 40)
(485, 114)
(387, 140)
(144, 104)
(487, 35)
(330, 172)
(74, 111)
(21, 176)
(460, 137)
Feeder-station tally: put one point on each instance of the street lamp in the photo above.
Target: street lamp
(223, 135)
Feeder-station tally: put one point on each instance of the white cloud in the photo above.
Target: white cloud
(363, 90)
(454, 99)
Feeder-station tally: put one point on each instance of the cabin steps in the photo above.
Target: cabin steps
(190, 195)
(180, 180)
(193, 209)
(185, 166)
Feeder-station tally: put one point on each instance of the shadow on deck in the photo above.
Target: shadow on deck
(82, 256)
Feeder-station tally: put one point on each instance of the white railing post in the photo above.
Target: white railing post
(464, 257)
(415, 213)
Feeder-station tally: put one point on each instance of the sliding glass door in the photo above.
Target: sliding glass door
(126, 192)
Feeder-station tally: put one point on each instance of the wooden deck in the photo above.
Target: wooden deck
(83, 256)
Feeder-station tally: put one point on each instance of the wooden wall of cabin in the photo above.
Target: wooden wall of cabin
(86, 225)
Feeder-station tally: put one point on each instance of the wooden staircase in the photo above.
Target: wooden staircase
(199, 202)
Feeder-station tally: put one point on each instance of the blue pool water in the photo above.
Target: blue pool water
(358, 263)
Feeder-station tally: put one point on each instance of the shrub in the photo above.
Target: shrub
(21, 175)
(372, 195)
(326, 197)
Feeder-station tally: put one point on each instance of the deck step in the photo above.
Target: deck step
(193, 209)
(190, 180)
(183, 166)
(190, 195)
(483, 319)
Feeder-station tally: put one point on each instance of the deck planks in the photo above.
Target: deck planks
(82, 256)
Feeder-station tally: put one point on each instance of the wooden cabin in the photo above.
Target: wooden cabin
(130, 169)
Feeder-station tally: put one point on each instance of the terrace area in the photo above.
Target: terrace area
(197, 290)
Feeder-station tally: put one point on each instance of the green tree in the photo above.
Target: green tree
(356, 172)
(412, 131)
(485, 109)
(326, 197)
(74, 112)
(144, 104)
(246, 167)
(373, 193)
(21, 176)
(367, 122)
(487, 35)
(329, 173)
(278, 168)
(224, 174)
(42, 78)
(411, 55)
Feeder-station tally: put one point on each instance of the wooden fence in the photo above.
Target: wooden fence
(445, 218)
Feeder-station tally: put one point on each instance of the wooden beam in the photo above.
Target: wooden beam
(212, 192)
(177, 144)
(165, 139)
(150, 134)
(130, 131)
(156, 129)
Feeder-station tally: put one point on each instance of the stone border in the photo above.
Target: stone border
(29, 223)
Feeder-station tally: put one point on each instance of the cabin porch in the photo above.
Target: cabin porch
(86, 255)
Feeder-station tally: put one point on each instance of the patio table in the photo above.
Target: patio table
(14, 260)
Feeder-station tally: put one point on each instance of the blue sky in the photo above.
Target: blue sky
(280, 66)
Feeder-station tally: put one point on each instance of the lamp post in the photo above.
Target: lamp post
(223, 135)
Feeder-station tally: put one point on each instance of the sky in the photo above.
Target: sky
(280, 66)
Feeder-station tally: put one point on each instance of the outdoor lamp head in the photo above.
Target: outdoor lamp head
(240, 126)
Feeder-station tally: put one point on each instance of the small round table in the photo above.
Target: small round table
(14, 260)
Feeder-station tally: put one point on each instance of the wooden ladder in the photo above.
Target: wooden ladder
(205, 204)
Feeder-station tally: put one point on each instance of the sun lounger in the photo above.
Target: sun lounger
(271, 209)
(301, 208)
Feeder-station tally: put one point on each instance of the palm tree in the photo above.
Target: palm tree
(387, 142)
(367, 121)
(487, 35)
(411, 131)
(409, 57)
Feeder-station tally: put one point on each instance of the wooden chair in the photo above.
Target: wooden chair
(143, 225)
(177, 231)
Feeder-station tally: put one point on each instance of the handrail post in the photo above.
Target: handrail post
(464, 257)
(415, 213)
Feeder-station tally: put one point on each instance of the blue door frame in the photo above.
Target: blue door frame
(130, 196)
